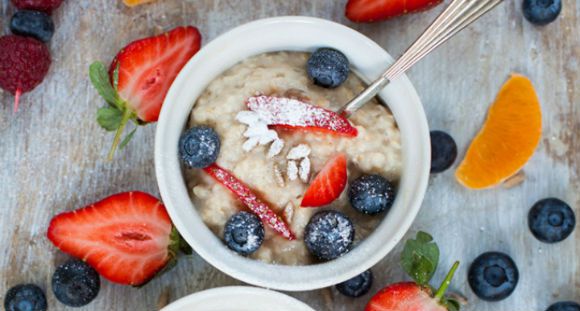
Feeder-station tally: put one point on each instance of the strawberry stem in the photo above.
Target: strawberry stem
(17, 99)
(443, 288)
(127, 115)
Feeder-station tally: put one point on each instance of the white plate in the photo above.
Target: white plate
(237, 298)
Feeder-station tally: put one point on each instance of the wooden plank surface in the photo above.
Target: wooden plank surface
(52, 152)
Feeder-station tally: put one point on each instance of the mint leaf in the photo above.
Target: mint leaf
(127, 139)
(100, 79)
(420, 258)
(109, 118)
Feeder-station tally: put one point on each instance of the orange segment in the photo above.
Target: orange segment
(508, 138)
(136, 2)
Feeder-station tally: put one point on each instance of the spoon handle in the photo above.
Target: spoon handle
(458, 15)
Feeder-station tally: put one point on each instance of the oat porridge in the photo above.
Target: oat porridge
(281, 164)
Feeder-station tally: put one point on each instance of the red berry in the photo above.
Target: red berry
(40, 5)
(244, 194)
(127, 237)
(404, 297)
(375, 10)
(328, 184)
(23, 63)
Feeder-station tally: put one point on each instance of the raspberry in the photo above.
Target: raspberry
(23, 64)
(40, 5)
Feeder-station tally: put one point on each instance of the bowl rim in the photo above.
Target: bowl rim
(407, 110)
(231, 296)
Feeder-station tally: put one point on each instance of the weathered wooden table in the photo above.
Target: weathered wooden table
(52, 153)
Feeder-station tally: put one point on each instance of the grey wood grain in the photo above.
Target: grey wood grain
(52, 153)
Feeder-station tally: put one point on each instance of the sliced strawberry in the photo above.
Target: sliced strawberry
(328, 184)
(249, 199)
(404, 297)
(294, 114)
(127, 237)
(144, 70)
(375, 10)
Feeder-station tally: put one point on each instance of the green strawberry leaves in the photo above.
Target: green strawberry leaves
(116, 115)
(420, 258)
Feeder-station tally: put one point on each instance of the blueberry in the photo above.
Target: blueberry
(32, 24)
(564, 306)
(75, 283)
(493, 276)
(25, 297)
(551, 220)
(244, 233)
(443, 151)
(357, 286)
(199, 147)
(329, 235)
(541, 12)
(328, 67)
(371, 194)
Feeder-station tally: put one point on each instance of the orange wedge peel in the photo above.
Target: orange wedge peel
(508, 138)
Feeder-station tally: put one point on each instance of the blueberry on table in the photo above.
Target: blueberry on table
(371, 194)
(25, 297)
(244, 233)
(357, 286)
(551, 220)
(493, 276)
(32, 24)
(328, 67)
(329, 235)
(564, 306)
(541, 12)
(443, 151)
(75, 283)
(199, 147)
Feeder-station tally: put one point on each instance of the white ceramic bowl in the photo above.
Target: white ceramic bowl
(296, 34)
(237, 298)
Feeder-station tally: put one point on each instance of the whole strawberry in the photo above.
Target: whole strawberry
(24, 63)
(138, 79)
(419, 259)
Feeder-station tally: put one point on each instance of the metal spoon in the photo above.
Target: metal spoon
(458, 15)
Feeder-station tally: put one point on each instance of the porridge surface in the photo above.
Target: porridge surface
(376, 149)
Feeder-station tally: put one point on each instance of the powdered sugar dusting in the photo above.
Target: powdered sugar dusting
(294, 113)
(250, 200)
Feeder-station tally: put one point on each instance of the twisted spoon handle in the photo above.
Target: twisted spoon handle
(458, 15)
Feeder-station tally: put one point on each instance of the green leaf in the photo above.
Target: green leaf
(127, 139)
(420, 258)
(109, 118)
(100, 79)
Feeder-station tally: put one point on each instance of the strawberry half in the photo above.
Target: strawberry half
(139, 77)
(128, 237)
(292, 114)
(250, 200)
(406, 296)
(375, 10)
(328, 184)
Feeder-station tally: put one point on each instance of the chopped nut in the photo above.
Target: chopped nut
(292, 170)
(289, 212)
(299, 152)
(515, 180)
(278, 176)
(304, 171)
